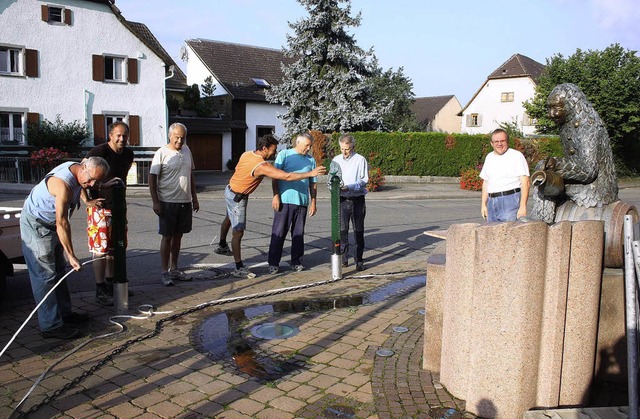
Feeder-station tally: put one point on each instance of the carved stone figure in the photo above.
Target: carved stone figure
(586, 174)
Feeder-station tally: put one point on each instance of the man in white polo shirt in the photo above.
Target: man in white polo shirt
(505, 186)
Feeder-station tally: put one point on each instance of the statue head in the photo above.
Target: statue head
(564, 102)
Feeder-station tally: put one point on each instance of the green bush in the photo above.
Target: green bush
(435, 153)
(67, 137)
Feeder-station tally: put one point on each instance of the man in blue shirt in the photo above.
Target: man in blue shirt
(292, 200)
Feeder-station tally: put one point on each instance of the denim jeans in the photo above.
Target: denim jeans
(44, 256)
(503, 208)
(237, 211)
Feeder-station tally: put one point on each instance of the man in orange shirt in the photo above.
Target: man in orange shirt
(252, 167)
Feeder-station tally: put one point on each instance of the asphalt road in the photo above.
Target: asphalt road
(394, 231)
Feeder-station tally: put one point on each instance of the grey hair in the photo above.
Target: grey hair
(348, 139)
(95, 162)
(305, 135)
(177, 125)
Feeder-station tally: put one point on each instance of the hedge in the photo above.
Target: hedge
(434, 153)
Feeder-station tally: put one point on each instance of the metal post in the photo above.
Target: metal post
(631, 314)
(335, 182)
(118, 235)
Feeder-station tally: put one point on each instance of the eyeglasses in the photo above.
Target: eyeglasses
(91, 179)
(499, 142)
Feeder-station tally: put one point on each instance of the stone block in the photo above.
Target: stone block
(434, 303)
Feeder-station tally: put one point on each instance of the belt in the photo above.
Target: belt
(504, 193)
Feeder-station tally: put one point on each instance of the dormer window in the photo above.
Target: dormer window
(261, 82)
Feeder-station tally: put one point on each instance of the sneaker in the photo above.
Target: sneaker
(62, 332)
(223, 250)
(179, 275)
(297, 268)
(359, 266)
(102, 294)
(273, 270)
(166, 279)
(76, 318)
(243, 272)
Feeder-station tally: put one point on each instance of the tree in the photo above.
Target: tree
(191, 97)
(396, 89)
(206, 105)
(67, 137)
(611, 81)
(328, 85)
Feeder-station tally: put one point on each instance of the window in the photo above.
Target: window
(56, 15)
(101, 124)
(10, 60)
(528, 120)
(474, 120)
(261, 82)
(114, 68)
(12, 128)
(506, 97)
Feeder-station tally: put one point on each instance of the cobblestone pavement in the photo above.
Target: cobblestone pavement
(172, 364)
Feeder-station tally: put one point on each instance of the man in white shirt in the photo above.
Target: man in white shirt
(173, 192)
(505, 186)
(355, 176)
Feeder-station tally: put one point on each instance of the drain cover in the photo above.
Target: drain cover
(384, 352)
(423, 312)
(274, 331)
(400, 329)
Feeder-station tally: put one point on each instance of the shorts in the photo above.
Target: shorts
(176, 218)
(236, 211)
(99, 230)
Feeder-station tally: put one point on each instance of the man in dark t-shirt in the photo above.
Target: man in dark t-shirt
(100, 203)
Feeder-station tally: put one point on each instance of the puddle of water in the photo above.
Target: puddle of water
(395, 288)
(339, 411)
(220, 336)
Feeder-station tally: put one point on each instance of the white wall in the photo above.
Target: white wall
(493, 111)
(65, 67)
(262, 114)
(197, 72)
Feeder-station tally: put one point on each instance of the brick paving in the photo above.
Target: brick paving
(332, 365)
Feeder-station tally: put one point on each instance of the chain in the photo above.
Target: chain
(160, 324)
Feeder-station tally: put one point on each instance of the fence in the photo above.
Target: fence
(20, 170)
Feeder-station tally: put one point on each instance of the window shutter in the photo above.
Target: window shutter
(99, 134)
(134, 130)
(45, 12)
(33, 118)
(132, 70)
(31, 62)
(469, 120)
(479, 120)
(98, 67)
(67, 16)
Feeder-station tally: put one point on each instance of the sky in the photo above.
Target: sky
(446, 47)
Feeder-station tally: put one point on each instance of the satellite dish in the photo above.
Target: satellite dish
(184, 55)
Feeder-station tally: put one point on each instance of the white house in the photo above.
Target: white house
(240, 73)
(500, 98)
(438, 113)
(80, 60)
